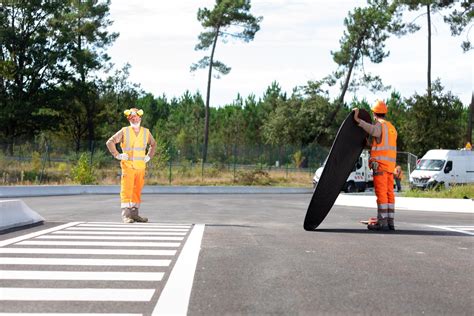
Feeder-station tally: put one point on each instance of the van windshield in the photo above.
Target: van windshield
(430, 164)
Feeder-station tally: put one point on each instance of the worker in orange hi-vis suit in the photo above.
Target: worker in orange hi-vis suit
(383, 155)
(134, 141)
(398, 175)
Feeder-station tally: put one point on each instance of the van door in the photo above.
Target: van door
(451, 174)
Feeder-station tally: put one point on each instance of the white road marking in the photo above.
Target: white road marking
(130, 238)
(74, 251)
(134, 225)
(453, 229)
(72, 236)
(67, 232)
(84, 262)
(80, 275)
(130, 229)
(41, 232)
(66, 294)
(99, 243)
(143, 224)
(174, 299)
(67, 314)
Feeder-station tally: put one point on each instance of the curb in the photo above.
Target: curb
(58, 190)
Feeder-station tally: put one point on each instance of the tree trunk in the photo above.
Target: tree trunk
(430, 102)
(206, 120)
(345, 86)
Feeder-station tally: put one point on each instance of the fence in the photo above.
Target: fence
(44, 163)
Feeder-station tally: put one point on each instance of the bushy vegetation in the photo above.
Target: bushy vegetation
(453, 192)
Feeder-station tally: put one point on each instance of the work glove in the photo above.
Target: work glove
(147, 158)
(122, 157)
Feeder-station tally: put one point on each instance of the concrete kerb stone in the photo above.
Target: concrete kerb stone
(410, 203)
(50, 190)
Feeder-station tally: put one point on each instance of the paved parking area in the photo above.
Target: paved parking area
(255, 258)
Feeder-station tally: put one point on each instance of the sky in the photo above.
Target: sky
(293, 46)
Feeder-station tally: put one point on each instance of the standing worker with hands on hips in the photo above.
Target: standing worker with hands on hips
(383, 155)
(133, 140)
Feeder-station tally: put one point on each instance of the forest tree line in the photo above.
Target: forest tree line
(54, 54)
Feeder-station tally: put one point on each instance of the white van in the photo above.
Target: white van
(360, 178)
(443, 167)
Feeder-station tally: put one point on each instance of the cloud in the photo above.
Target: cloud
(293, 46)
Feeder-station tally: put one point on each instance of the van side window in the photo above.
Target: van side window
(449, 166)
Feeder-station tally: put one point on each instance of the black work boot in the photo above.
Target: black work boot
(380, 225)
(137, 218)
(391, 225)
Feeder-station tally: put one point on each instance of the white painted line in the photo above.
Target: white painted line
(73, 251)
(118, 229)
(174, 299)
(143, 224)
(134, 226)
(130, 238)
(452, 229)
(41, 232)
(67, 232)
(84, 262)
(98, 243)
(80, 275)
(85, 294)
(67, 314)
(460, 226)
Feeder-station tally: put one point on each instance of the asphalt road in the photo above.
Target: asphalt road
(256, 259)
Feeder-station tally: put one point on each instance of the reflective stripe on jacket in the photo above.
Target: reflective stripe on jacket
(135, 146)
(385, 153)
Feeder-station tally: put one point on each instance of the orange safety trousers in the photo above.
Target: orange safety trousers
(131, 186)
(383, 186)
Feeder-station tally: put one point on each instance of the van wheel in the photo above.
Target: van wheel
(350, 187)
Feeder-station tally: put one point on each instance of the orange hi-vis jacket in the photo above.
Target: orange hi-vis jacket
(385, 153)
(135, 146)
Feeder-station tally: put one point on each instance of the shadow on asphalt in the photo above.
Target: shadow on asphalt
(396, 232)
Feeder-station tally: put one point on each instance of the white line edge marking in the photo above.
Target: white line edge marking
(80, 275)
(84, 251)
(67, 314)
(83, 294)
(133, 225)
(85, 262)
(98, 237)
(174, 298)
(101, 233)
(99, 243)
(41, 232)
(452, 229)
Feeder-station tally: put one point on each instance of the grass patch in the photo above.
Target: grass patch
(453, 192)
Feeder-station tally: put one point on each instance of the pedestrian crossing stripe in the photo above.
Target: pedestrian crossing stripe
(158, 250)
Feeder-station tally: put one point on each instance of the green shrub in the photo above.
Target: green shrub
(83, 172)
(36, 161)
(253, 177)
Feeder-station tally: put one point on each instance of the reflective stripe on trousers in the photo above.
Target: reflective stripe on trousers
(383, 186)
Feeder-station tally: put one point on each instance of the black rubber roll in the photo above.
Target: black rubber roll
(346, 149)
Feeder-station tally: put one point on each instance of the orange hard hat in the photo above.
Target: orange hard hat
(379, 107)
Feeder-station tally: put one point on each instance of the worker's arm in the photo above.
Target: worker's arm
(117, 138)
(374, 130)
(152, 148)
